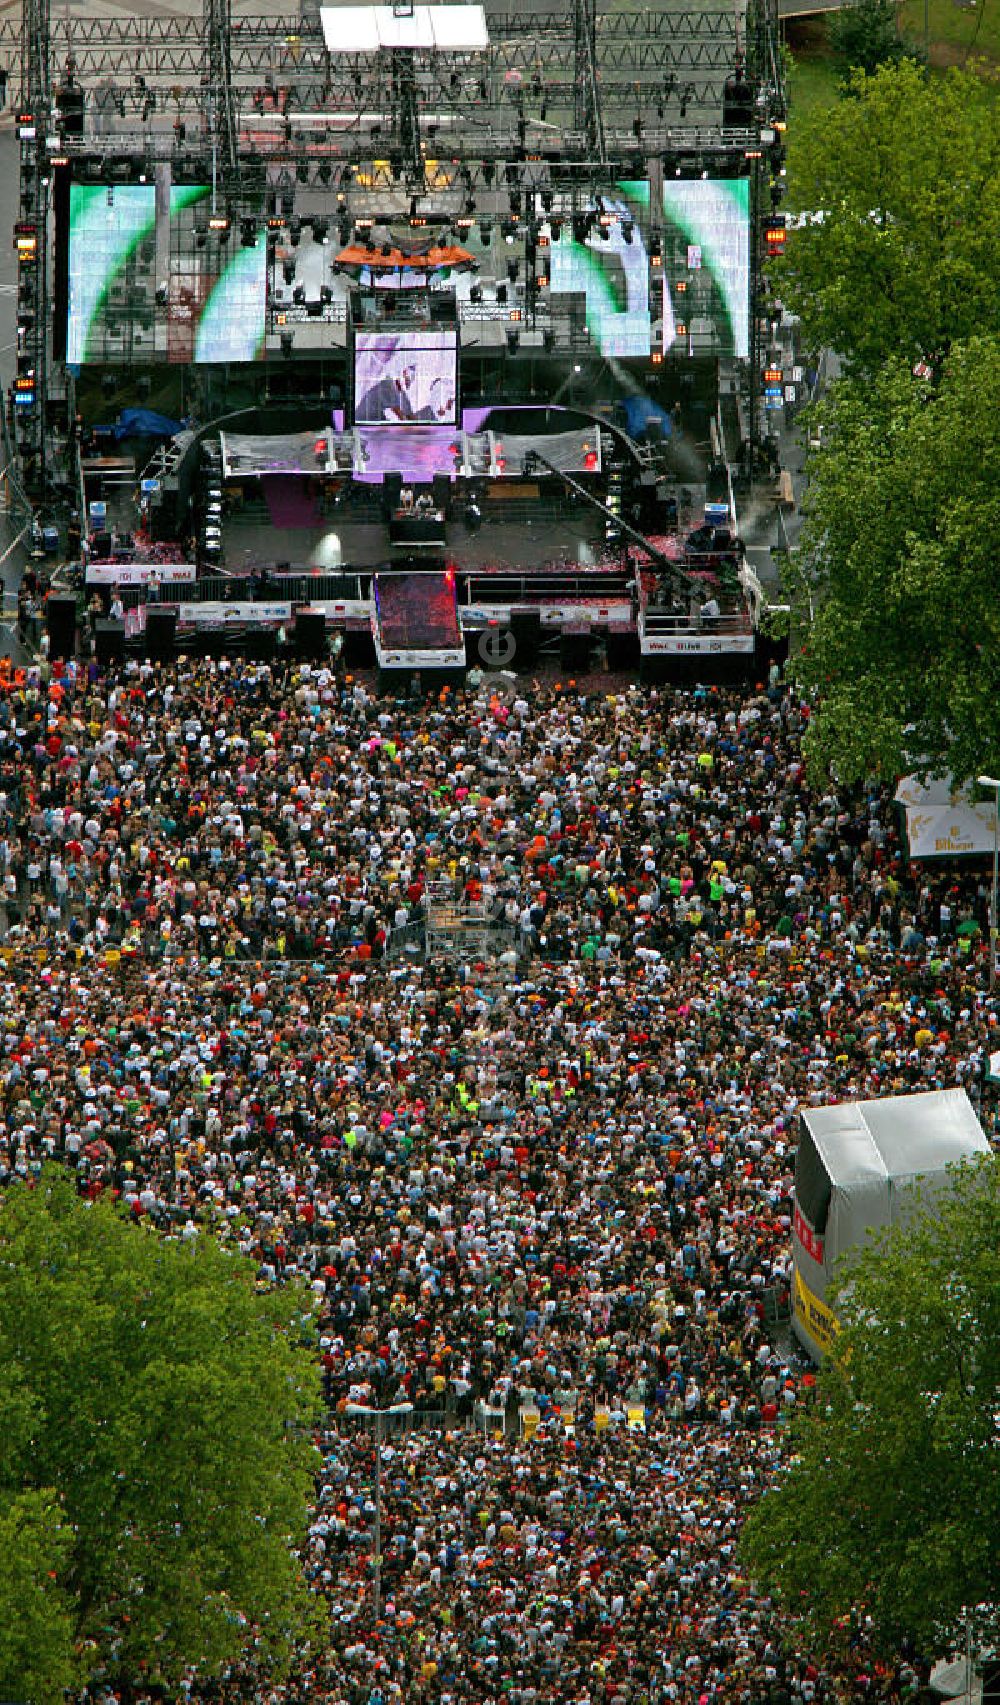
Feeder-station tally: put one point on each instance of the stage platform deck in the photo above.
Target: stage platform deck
(516, 544)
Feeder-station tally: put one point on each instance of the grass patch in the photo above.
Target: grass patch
(813, 83)
(955, 30)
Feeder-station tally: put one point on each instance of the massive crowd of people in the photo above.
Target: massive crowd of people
(541, 1195)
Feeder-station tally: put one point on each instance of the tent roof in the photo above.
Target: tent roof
(395, 259)
(900, 1136)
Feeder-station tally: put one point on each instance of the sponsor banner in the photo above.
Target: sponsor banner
(138, 573)
(614, 612)
(217, 615)
(415, 658)
(818, 1320)
(949, 831)
(671, 645)
(342, 609)
(945, 821)
(811, 1242)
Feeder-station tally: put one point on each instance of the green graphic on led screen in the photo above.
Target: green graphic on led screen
(147, 290)
(610, 268)
(706, 266)
(106, 227)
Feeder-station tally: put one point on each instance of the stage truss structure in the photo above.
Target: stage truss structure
(562, 100)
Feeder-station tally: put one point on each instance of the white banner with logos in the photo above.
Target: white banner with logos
(217, 615)
(342, 609)
(686, 645)
(943, 821)
(138, 573)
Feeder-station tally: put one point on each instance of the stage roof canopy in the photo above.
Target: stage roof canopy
(369, 29)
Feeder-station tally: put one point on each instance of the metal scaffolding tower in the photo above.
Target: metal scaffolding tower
(31, 383)
(587, 107)
(217, 23)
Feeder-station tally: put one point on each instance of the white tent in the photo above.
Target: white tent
(943, 821)
(855, 1172)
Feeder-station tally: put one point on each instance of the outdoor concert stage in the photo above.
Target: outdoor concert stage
(522, 551)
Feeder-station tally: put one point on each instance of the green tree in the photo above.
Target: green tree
(864, 36)
(37, 1628)
(904, 260)
(889, 1504)
(166, 1403)
(897, 554)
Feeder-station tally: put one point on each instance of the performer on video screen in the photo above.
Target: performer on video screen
(389, 398)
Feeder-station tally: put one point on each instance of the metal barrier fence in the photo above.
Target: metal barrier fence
(396, 1424)
(666, 622)
(308, 586)
(557, 585)
(303, 588)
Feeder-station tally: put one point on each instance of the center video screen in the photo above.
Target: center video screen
(148, 280)
(406, 377)
(706, 266)
(609, 266)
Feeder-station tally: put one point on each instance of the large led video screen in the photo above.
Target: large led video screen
(602, 254)
(217, 285)
(406, 377)
(111, 248)
(149, 281)
(706, 266)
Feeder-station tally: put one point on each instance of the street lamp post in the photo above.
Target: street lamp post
(993, 784)
(361, 1411)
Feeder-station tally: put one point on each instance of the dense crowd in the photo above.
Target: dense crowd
(542, 1196)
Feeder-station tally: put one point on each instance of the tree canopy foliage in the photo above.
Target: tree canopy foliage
(38, 1656)
(902, 515)
(865, 36)
(155, 1409)
(890, 1504)
(904, 261)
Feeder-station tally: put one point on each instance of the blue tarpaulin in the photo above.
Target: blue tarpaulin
(637, 412)
(145, 423)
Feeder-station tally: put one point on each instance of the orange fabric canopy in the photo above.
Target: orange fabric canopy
(356, 254)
